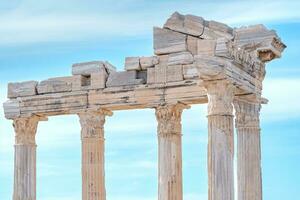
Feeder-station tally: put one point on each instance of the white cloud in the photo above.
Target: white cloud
(283, 96)
(32, 22)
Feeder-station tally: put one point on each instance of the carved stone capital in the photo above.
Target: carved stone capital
(169, 119)
(247, 114)
(25, 129)
(92, 123)
(220, 95)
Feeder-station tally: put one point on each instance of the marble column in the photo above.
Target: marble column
(169, 151)
(25, 158)
(248, 150)
(220, 140)
(92, 147)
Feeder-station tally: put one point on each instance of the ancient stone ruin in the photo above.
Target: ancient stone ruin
(196, 61)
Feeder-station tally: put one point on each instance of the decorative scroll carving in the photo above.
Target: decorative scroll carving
(25, 129)
(169, 118)
(246, 56)
(220, 97)
(247, 114)
(92, 123)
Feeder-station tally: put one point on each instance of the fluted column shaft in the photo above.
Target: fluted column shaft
(248, 150)
(169, 151)
(220, 140)
(92, 147)
(25, 158)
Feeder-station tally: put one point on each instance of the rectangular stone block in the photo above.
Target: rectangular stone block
(98, 80)
(132, 63)
(22, 89)
(123, 78)
(218, 26)
(222, 47)
(87, 68)
(180, 58)
(54, 85)
(11, 109)
(192, 43)
(160, 73)
(190, 71)
(147, 62)
(150, 75)
(188, 24)
(167, 41)
(161, 69)
(206, 47)
(174, 73)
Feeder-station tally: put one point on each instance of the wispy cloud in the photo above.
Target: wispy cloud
(29, 22)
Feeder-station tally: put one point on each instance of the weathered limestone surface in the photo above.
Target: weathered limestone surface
(147, 62)
(180, 58)
(123, 78)
(25, 158)
(92, 147)
(167, 41)
(54, 85)
(220, 141)
(132, 63)
(195, 61)
(22, 89)
(248, 150)
(189, 24)
(87, 68)
(169, 151)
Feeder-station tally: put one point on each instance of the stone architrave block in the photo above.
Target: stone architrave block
(174, 73)
(147, 62)
(188, 24)
(132, 63)
(77, 82)
(123, 78)
(167, 41)
(54, 85)
(190, 71)
(22, 89)
(180, 58)
(206, 47)
(11, 109)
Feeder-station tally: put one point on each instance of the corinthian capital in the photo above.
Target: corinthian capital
(169, 118)
(92, 123)
(247, 114)
(25, 129)
(220, 95)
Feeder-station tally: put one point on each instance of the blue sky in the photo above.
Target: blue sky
(41, 39)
